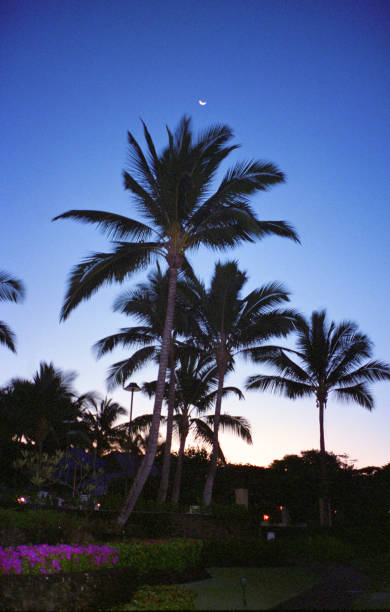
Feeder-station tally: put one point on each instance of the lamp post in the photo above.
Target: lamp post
(133, 388)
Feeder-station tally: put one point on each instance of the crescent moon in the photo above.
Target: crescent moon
(202, 103)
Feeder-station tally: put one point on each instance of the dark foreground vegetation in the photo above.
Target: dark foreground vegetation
(144, 563)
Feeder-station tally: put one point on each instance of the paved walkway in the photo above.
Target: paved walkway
(336, 590)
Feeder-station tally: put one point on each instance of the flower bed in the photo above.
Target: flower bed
(47, 559)
(124, 568)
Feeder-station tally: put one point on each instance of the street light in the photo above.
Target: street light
(133, 388)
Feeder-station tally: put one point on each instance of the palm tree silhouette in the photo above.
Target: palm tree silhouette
(172, 192)
(148, 304)
(331, 359)
(11, 290)
(226, 324)
(195, 392)
(99, 419)
(43, 407)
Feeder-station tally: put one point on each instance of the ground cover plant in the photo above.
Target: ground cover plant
(47, 559)
(161, 597)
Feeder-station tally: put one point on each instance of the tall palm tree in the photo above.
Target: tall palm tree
(99, 419)
(331, 358)
(172, 193)
(11, 290)
(148, 304)
(228, 324)
(195, 394)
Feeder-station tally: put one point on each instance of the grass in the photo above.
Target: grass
(266, 587)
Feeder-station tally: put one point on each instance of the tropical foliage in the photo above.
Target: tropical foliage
(330, 358)
(227, 324)
(11, 290)
(99, 419)
(172, 191)
(40, 411)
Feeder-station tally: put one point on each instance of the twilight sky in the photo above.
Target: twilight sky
(304, 84)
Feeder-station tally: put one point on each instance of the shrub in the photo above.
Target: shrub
(43, 519)
(161, 597)
(326, 548)
(242, 552)
(150, 556)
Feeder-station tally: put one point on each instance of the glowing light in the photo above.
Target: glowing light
(21, 500)
(266, 517)
(280, 507)
(202, 102)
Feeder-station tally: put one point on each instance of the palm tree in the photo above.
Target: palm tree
(331, 359)
(195, 393)
(147, 303)
(228, 324)
(11, 290)
(134, 437)
(99, 420)
(172, 193)
(43, 408)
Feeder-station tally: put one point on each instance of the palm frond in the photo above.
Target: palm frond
(277, 384)
(119, 372)
(126, 337)
(372, 371)
(115, 227)
(276, 228)
(277, 357)
(237, 425)
(356, 393)
(7, 337)
(103, 268)
(11, 289)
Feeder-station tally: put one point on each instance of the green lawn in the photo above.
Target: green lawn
(266, 587)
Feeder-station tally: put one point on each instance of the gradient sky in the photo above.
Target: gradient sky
(304, 84)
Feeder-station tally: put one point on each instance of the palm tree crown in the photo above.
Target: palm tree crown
(99, 419)
(171, 191)
(331, 358)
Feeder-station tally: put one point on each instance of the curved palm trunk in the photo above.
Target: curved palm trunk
(179, 469)
(163, 490)
(209, 485)
(148, 460)
(324, 502)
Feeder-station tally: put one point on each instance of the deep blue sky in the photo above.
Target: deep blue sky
(304, 84)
